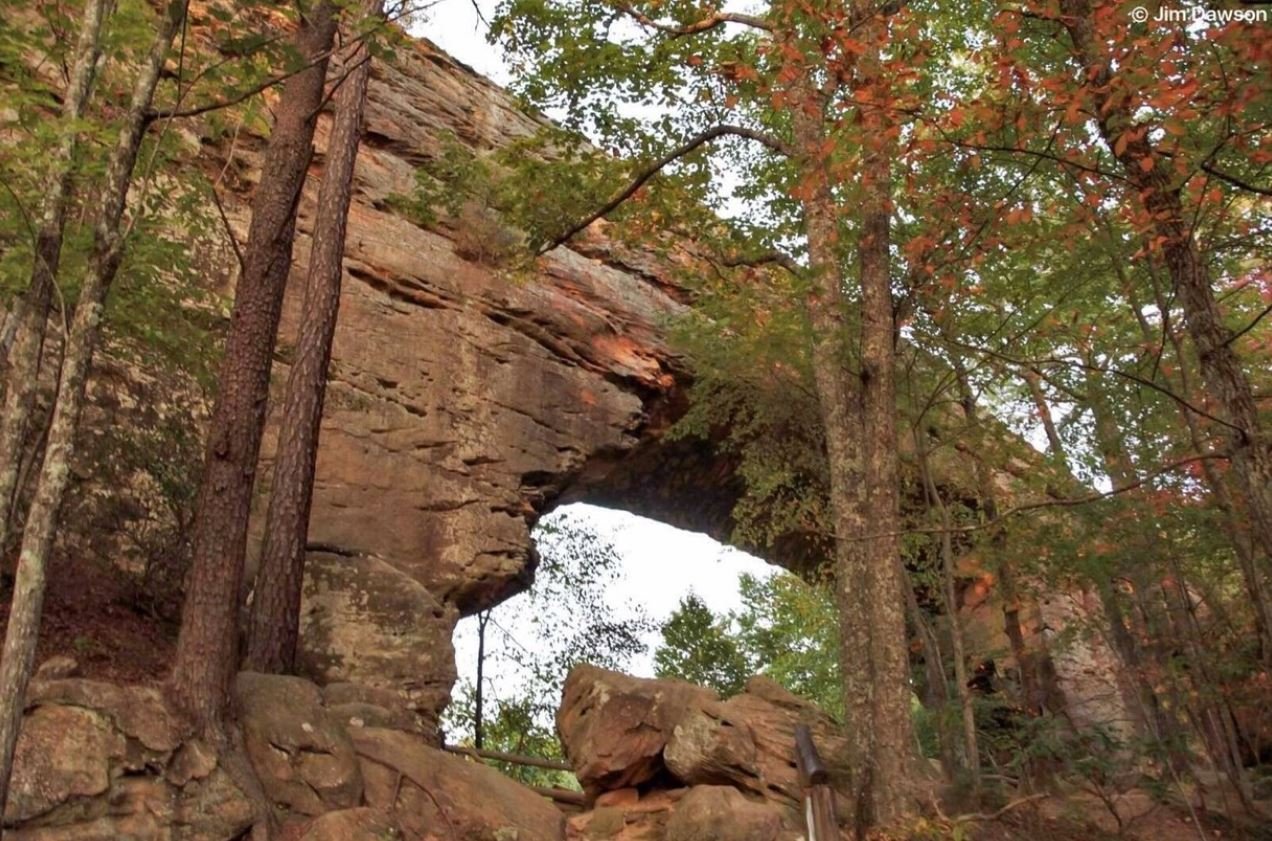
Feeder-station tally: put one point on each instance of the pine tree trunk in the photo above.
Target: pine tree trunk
(274, 625)
(37, 539)
(31, 313)
(207, 646)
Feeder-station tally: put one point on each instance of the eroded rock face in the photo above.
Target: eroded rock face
(621, 732)
(434, 794)
(301, 752)
(102, 762)
(461, 400)
(717, 813)
(362, 824)
(367, 624)
(97, 761)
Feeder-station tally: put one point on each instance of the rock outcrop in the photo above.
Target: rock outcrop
(98, 761)
(435, 794)
(664, 760)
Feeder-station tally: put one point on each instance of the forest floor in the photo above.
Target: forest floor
(1082, 816)
(92, 613)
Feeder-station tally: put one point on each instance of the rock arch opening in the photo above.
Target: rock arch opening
(606, 582)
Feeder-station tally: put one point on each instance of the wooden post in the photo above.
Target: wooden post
(819, 797)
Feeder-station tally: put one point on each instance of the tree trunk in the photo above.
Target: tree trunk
(274, 625)
(841, 418)
(936, 694)
(1033, 685)
(31, 314)
(207, 647)
(1156, 720)
(37, 539)
(1055, 446)
(1220, 369)
(967, 709)
(861, 443)
(1251, 576)
(479, 692)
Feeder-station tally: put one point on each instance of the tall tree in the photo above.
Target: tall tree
(828, 70)
(207, 646)
(103, 264)
(31, 314)
(699, 648)
(275, 618)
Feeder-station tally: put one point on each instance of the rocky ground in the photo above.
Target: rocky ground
(658, 761)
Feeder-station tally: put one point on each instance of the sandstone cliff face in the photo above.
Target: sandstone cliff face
(461, 401)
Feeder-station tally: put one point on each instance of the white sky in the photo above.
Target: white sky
(454, 26)
(659, 566)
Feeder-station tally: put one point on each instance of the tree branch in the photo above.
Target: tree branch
(1235, 181)
(706, 24)
(770, 258)
(1117, 372)
(650, 170)
(229, 231)
(1262, 315)
(1059, 502)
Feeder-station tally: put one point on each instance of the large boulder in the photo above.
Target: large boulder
(614, 727)
(437, 795)
(361, 824)
(301, 752)
(701, 813)
(722, 813)
(363, 622)
(620, 731)
(97, 761)
(63, 754)
(748, 741)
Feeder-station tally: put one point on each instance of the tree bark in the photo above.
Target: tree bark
(274, 624)
(1055, 446)
(207, 646)
(37, 539)
(860, 427)
(479, 691)
(31, 314)
(1156, 720)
